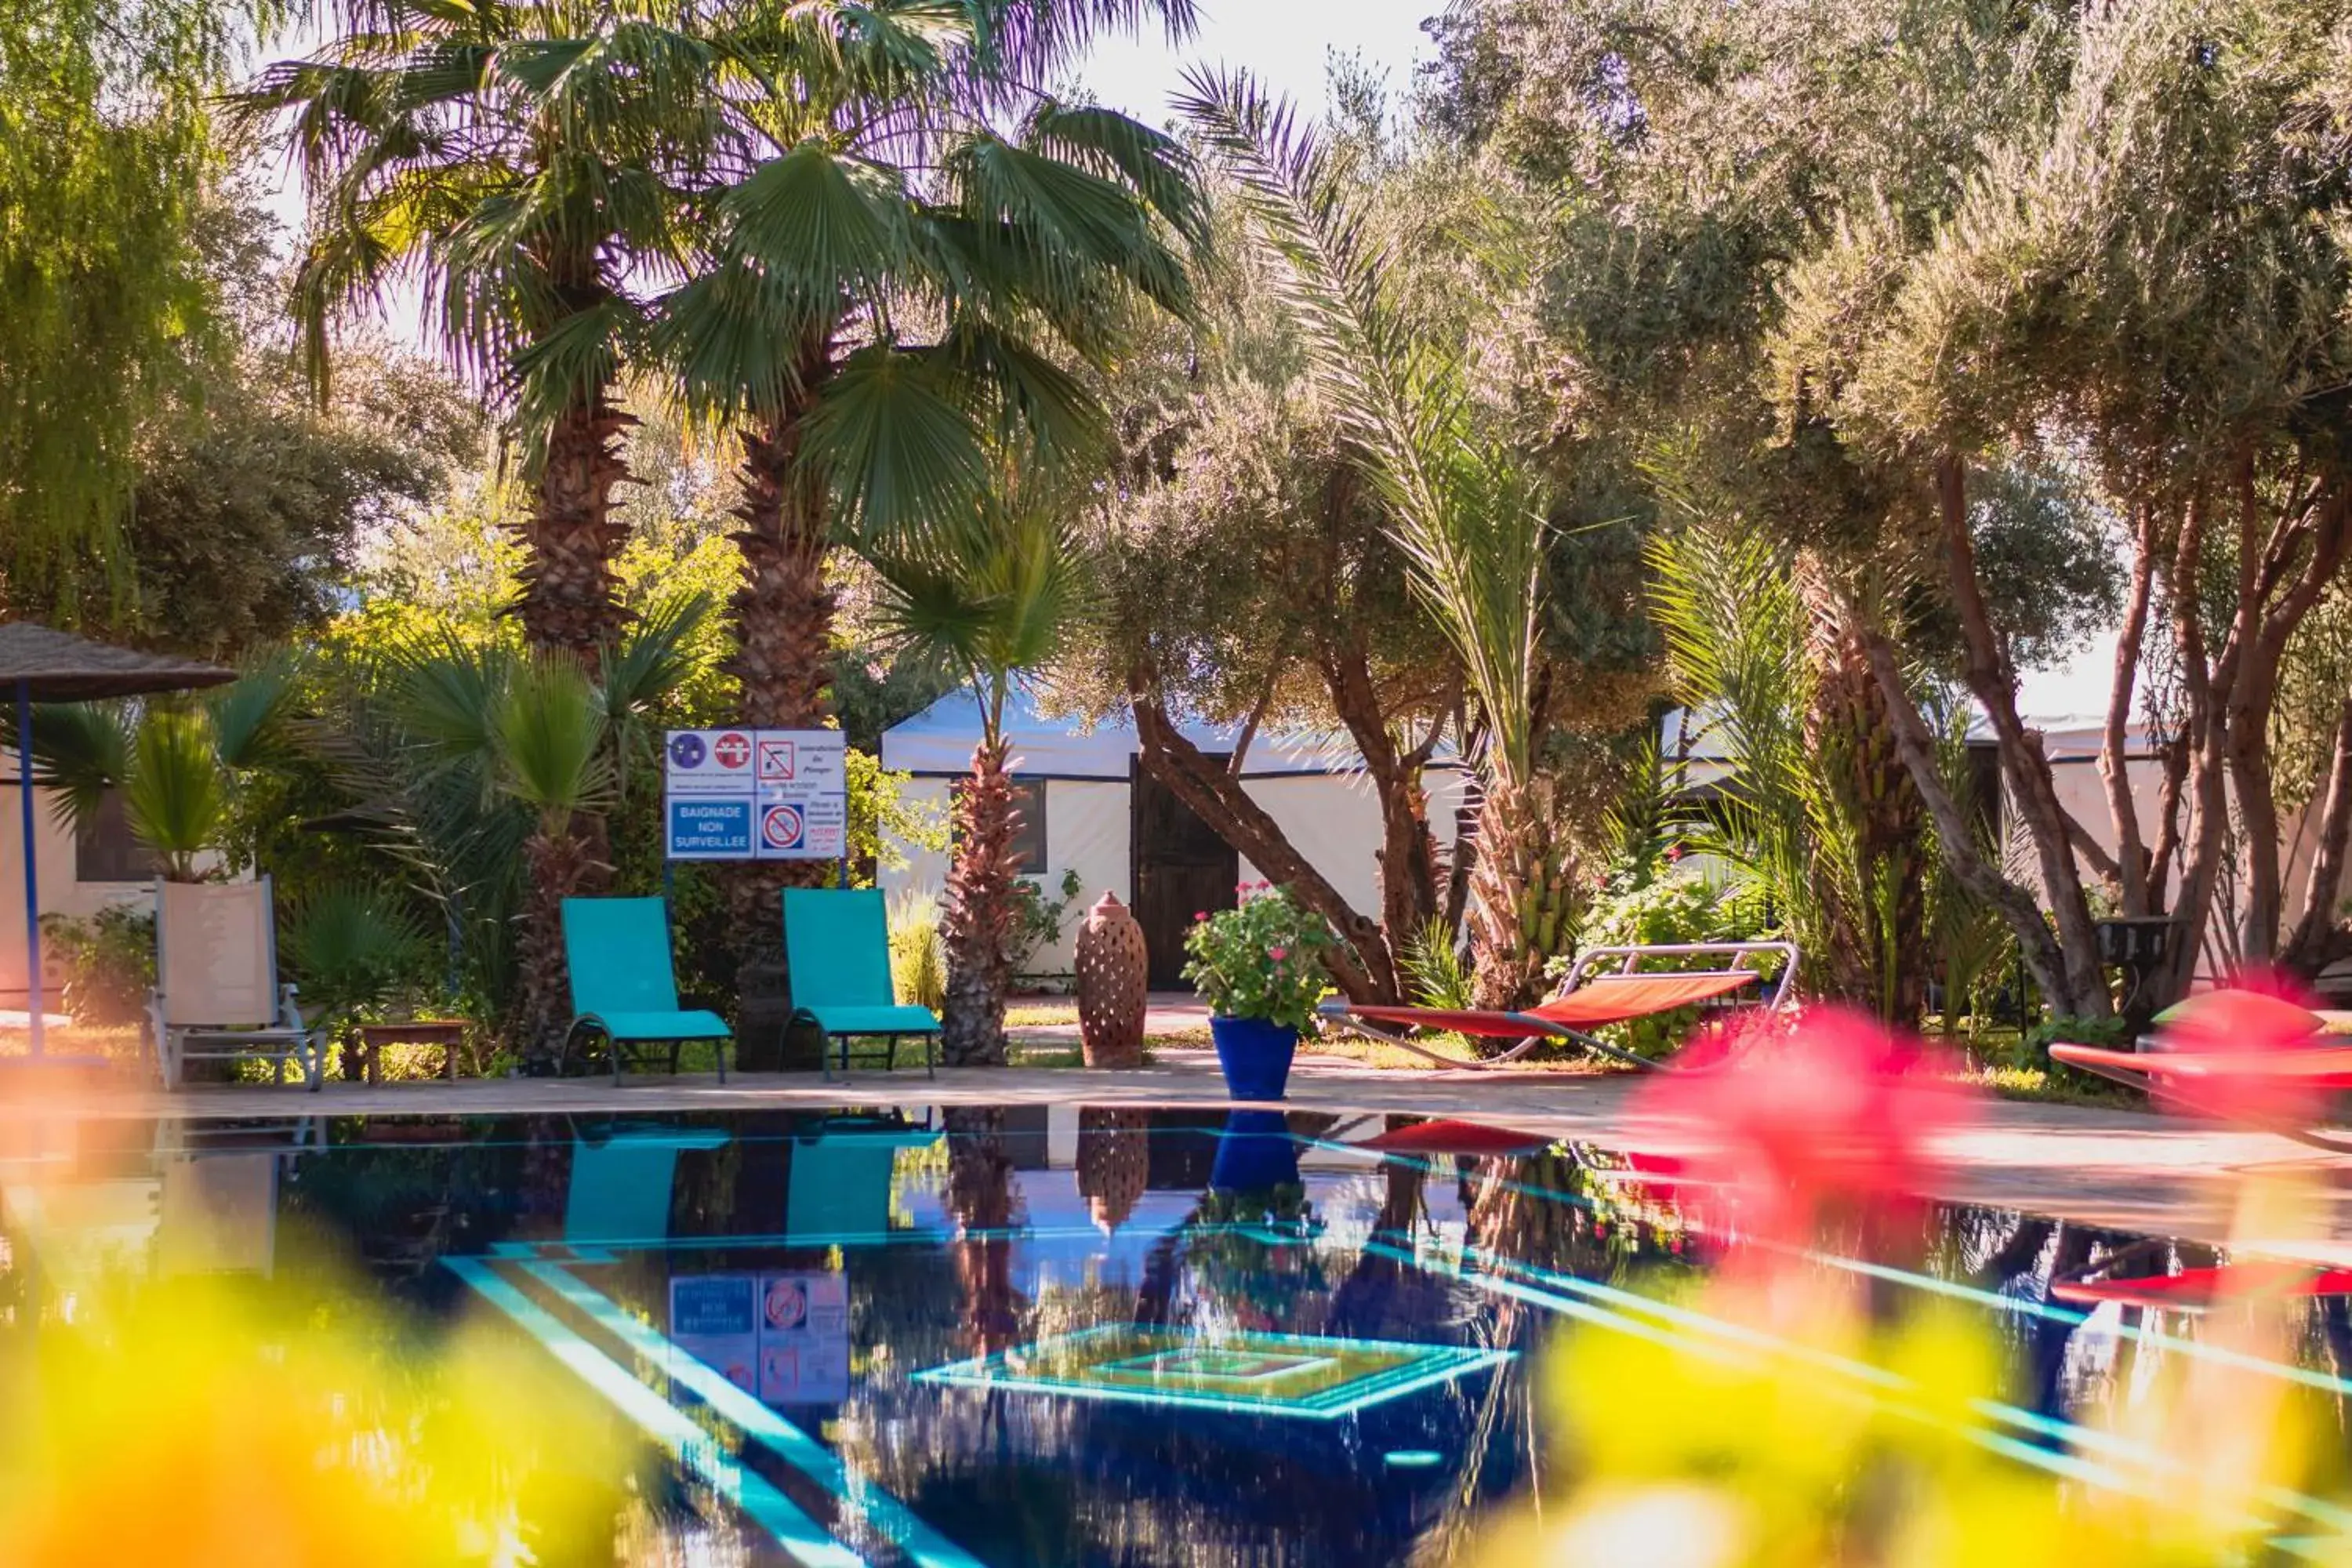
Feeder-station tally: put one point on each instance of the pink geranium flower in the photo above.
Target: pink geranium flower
(1277, 953)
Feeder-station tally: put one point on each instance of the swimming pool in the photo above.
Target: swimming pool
(1022, 1334)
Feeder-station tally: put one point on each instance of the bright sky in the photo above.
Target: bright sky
(1286, 43)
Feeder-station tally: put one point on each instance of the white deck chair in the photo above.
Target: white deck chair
(216, 992)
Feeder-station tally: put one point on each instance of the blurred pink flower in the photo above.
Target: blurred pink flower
(1796, 1120)
(1200, 914)
(1277, 953)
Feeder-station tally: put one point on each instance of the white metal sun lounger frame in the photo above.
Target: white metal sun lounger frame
(1743, 957)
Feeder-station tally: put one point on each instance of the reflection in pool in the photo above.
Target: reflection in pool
(1039, 1334)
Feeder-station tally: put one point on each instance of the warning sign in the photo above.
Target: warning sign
(781, 828)
(773, 794)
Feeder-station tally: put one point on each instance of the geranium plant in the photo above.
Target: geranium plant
(1262, 959)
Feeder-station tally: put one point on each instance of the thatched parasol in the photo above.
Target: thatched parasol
(39, 664)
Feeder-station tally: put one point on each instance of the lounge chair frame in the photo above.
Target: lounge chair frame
(805, 954)
(289, 1037)
(694, 1023)
(1599, 966)
(2144, 1071)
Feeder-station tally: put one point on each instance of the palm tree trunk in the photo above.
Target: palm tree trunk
(570, 601)
(783, 625)
(977, 922)
(557, 863)
(1878, 947)
(1522, 890)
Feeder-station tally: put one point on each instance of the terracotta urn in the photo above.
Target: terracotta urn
(1114, 983)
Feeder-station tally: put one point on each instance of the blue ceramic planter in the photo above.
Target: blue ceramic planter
(1256, 1056)
(1256, 1153)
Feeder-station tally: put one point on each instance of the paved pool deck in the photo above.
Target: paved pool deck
(2120, 1168)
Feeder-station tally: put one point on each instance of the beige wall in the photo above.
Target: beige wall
(1332, 818)
(60, 892)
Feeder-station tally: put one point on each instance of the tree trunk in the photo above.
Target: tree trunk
(1408, 855)
(980, 1195)
(977, 917)
(570, 601)
(2132, 860)
(783, 633)
(556, 864)
(1523, 895)
(1958, 833)
(1362, 966)
(2032, 793)
(2310, 947)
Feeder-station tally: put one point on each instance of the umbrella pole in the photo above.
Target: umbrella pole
(32, 873)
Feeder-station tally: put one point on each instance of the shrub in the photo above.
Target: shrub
(919, 958)
(109, 961)
(1680, 906)
(1038, 919)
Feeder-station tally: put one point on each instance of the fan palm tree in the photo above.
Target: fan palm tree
(520, 162)
(484, 737)
(176, 764)
(547, 738)
(991, 595)
(900, 281)
(1464, 508)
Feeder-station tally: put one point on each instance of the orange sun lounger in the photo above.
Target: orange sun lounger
(1594, 994)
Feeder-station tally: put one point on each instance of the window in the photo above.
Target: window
(1029, 837)
(105, 850)
(1029, 841)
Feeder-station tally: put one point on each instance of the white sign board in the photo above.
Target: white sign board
(765, 794)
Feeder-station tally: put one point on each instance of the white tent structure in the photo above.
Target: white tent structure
(1092, 813)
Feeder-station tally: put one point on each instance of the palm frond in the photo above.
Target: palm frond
(80, 751)
(902, 451)
(548, 731)
(1469, 517)
(176, 794)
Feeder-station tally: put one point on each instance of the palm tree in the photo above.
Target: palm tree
(901, 281)
(991, 595)
(1464, 508)
(519, 162)
(548, 737)
(481, 736)
(176, 764)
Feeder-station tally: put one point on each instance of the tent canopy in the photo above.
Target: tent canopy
(939, 741)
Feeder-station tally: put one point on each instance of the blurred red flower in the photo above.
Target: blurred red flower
(1798, 1121)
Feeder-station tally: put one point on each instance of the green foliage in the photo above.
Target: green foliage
(1466, 511)
(918, 959)
(993, 594)
(108, 959)
(107, 167)
(175, 796)
(354, 949)
(1037, 919)
(1434, 960)
(1260, 959)
(1679, 906)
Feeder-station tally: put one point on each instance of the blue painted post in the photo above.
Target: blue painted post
(32, 873)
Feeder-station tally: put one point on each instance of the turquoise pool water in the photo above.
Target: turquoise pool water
(1024, 1335)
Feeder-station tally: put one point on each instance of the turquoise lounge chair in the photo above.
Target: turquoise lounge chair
(837, 944)
(622, 984)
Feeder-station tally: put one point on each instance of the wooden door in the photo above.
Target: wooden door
(1180, 868)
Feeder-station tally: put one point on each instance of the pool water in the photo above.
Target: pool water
(1027, 1334)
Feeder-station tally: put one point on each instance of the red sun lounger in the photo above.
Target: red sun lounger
(1446, 1136)
(2194, 1290)
(1592, 997)
(2228, 1085)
